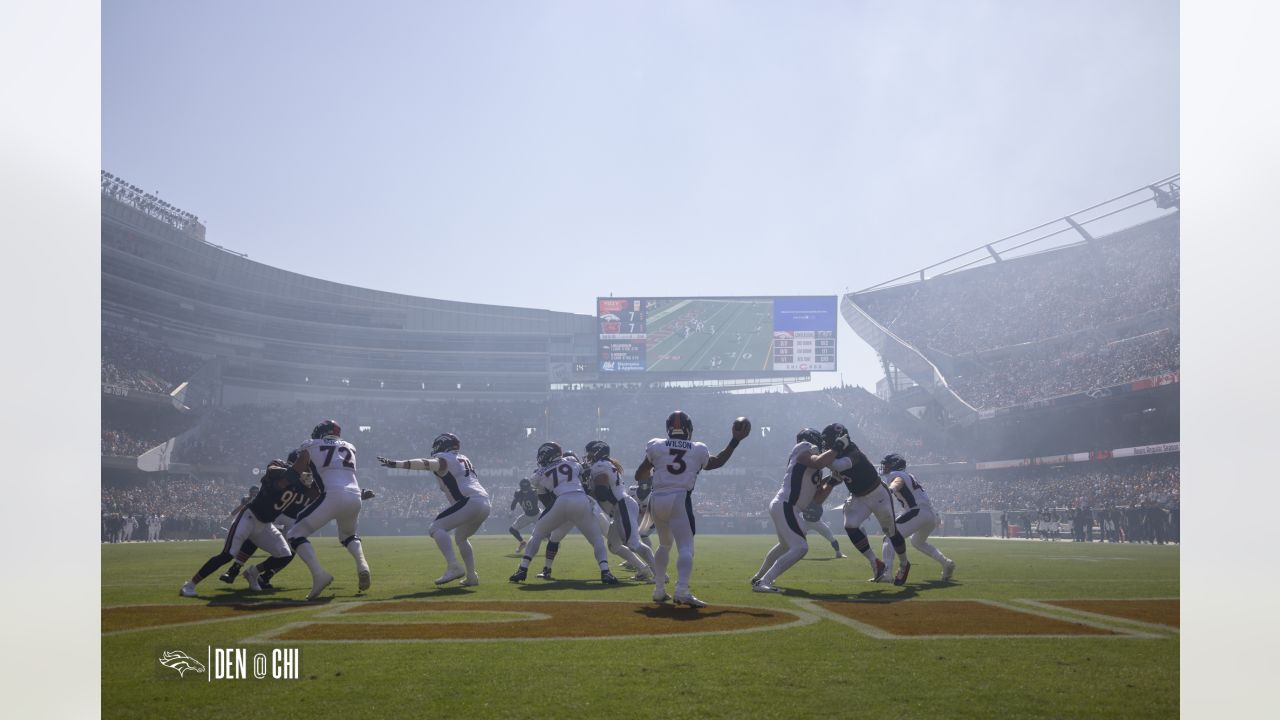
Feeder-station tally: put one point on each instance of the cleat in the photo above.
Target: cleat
(545, 574)
(251, 574)
(451, 574)
(519, 575)
(948, 570)
(840, 555)
(365, 579)
(755, 580)
(660, 596)
(607, 578)
(188, 589)
(264, 583)
(318, 585)
(878, 570)
(230, 575)
(762, 587)
(520, 547)
(642, 576)
(901, 577)
(626, 565)
(471, 580)
(689, 600)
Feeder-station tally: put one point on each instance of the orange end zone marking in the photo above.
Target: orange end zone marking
(563, 620)
(955, 617)
(1158, 612)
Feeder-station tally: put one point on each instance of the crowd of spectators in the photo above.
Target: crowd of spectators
(121, 443)
(1061, 309)
(133, 363)
(1129, 482)
(1054, 368)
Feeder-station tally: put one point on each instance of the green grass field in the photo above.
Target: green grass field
(817, 667)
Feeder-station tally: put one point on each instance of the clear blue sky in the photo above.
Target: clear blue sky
(542, 153)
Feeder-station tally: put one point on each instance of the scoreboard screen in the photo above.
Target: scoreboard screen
(730, 335)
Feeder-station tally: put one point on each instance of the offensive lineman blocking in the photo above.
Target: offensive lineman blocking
(917, 518)
(468, 511)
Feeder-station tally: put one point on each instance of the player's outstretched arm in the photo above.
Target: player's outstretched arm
(824, 491)
(820, 460)
(432, 464)
(741, 429)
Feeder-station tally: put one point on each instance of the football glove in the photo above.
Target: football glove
(367, 495)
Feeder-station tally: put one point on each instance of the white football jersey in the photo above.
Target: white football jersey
(908, 492)
(604, 467)
(561, 476)
(459, 479)
(333, 463)
(676, 463)
(800, 483)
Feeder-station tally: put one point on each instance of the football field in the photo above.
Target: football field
(1026, 629)
(742, 337)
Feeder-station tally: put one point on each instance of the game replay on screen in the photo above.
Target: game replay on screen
(723, 334)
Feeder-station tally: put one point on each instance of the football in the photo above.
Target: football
(742, 423)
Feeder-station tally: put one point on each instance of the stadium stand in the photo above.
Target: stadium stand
(1065, 320)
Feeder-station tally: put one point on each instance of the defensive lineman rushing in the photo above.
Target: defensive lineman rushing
(563, 478)
(332, 465)
(799, 486)
(527, 500)
(867, 496)
(468, 511)
(917, 518)
(253, 522)
(674, 464)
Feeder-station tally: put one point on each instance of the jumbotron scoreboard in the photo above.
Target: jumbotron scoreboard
(739, 335)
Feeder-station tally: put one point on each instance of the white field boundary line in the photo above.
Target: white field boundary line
(272, 637)
(248, 615)
(1045, 605)
(878, 634)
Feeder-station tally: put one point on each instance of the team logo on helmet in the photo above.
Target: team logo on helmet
(836, 436)
(809, 435)
(548, 452)
(597, 450)
(325, 429)
(679, 425)
(893, 462)
(445, 442)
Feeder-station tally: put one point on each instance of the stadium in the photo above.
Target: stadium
(1032, 384)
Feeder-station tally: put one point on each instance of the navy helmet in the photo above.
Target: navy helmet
(445, 442)
(893, 462)
(836, 436)
(325, 429)
(548, 452)
(597, 450)
(809, 435)
(679, 425)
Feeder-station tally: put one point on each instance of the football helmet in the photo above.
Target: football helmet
(597, 450)
(445, 442)
(679, 425)
(549, 452)
(809, 435)
(525, 484)
(293, 457)
(836, 436)
(325, 429)
(893, 462)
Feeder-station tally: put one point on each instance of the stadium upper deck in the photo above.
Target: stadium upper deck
(163, 283)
